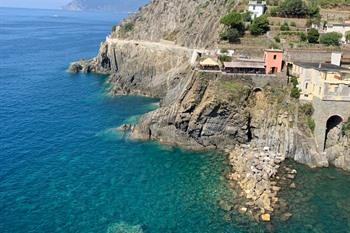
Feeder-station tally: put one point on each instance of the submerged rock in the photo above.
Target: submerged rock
(266, 217)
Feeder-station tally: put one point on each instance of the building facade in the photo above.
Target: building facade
(257, 8)
(273, 61)
(326, 82)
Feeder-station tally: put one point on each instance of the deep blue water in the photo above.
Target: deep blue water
(63, 167)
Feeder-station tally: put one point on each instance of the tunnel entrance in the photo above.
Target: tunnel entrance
(333, 131)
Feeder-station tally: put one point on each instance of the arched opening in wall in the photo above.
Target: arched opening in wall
(333, 131)
(257, 89)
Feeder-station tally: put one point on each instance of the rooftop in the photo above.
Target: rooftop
(257, 2)
(274, 50)
(322, 66)
(245, 64)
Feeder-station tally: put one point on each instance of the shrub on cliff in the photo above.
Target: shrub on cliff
(260, 25)
(346, 128)
(331, 38)
(295, 92)
(311, 124)
(234, 27)
(307, 109)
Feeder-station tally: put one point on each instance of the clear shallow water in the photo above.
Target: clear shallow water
(63, 167)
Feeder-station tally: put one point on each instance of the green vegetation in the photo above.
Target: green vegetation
(225, 58)
(347, 35)
(231, 35)
(233, 20)
(277, 39)
(303, 37)
(293, 9)
(114, 28)
(311, 123)
(346, 128)
(331, 38)
(234, 27)
(295, 92)
(298, 9)
(127, 27)
(308, 110)
(259, 26)
(313, 36)
(284, 27)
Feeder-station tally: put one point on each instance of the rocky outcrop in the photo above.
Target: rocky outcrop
(208, 112)
(254, 171)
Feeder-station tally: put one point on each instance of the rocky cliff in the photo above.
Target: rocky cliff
(192, 23)
(197, 110)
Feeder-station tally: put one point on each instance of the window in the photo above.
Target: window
(306, 85)
(274, 57)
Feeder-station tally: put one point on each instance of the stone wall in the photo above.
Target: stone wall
(323, 111)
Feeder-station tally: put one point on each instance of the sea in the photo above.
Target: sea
(65, 168)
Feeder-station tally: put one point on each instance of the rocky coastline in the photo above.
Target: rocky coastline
(251, 119)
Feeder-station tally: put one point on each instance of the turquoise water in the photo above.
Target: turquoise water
(64, 168)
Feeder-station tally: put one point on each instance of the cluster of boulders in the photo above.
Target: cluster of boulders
(255, 171)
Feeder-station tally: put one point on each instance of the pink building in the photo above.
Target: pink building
(273, 61)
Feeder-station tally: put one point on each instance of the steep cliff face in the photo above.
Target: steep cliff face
(192, 23)
(201, 111)
(217, 112)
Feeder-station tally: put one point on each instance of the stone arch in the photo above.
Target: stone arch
(333, 130)
(257, 89)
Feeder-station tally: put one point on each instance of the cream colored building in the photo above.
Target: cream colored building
(325, 81)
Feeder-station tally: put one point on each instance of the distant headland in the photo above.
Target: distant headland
(104, 5)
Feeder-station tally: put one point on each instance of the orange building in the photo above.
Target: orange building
(273, 61)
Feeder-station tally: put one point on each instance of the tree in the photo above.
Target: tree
(234, 27)
(313, 35)
(231, 34)
(233, 20)
(260, 25)
(331, 38)
(293, 8)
